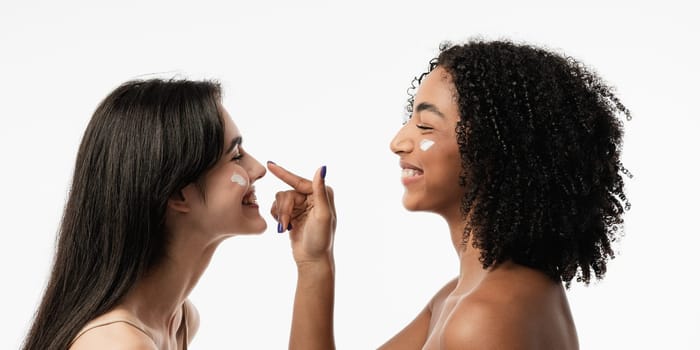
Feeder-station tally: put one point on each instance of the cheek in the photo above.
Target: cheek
(239, 179)
(446, 163)
(232, 174)
(229, 180)
(426, 144)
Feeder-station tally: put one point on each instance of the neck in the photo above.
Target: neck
(157, 298)
(471, 271)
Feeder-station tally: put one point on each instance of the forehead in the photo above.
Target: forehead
(230, 128)
(437, 89)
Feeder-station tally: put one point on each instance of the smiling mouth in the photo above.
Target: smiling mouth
(250, 199)
(408, 172)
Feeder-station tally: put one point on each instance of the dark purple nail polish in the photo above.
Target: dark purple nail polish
(271, 162)
(323, 172)
(289, 227)
(279, 227)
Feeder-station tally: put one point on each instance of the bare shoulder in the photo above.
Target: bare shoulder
(514, 308)
(114, 336)
(484, 323)
(192, 319)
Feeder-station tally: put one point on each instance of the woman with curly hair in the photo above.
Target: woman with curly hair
(518, 149)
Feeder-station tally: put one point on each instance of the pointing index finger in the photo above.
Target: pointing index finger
(298, 183)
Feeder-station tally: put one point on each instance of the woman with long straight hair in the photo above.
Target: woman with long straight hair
(160, 180)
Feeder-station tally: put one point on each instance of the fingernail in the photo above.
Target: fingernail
(279, 227)
(323, 172)
(289, 227)
(271, 162)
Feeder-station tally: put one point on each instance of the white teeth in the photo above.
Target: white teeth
(410, 172)
(250, 199)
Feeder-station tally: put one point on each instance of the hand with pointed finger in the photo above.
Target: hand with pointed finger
(308, 212)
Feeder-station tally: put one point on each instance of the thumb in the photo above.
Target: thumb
(320, 195)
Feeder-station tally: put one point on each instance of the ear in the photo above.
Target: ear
(180, 200)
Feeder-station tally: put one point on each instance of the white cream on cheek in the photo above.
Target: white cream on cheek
(237, 178)
(425, 144)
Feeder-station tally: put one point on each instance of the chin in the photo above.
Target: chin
(421, 204)
(254, 228)
(247, 226)
(261, 228)
(412, 204)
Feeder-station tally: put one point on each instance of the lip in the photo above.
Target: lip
(406, 181)
(251, 191)
(406, 165)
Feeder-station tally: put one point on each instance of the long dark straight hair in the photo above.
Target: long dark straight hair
(145, 142)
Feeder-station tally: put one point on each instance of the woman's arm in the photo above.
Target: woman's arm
(312, 321)
(308, 211)
(412, 336)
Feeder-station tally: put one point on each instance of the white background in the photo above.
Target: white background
(312, 83)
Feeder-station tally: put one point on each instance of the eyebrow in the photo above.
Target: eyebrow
(235, 142)
(425, 106)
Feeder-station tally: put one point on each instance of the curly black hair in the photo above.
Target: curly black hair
(540, 142)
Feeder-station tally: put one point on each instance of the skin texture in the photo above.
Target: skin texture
(197, 224)
(507, 306)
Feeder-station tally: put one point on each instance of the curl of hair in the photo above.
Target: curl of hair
(540, 144)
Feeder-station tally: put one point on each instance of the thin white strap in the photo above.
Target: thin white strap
(109, 323)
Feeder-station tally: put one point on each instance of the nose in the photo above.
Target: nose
(401, 143)
(256, 170)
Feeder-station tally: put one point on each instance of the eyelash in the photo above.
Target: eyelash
(237, 157)
(423, 127)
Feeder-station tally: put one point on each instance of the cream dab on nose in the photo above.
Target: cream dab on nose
(425, 144)
(237, 178)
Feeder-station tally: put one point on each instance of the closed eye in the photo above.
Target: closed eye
(237, 154)
(423, 127)
(235, 148)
